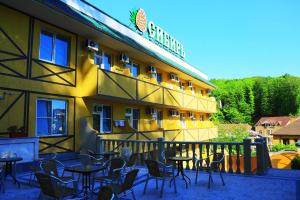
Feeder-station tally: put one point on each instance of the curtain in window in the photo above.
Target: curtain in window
(43, 123)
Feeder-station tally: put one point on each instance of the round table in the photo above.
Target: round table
(10, 167)
(179, 160)
(108, 154)
(86, 172)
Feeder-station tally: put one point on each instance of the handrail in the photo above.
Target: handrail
(137, 79)
(238, 155)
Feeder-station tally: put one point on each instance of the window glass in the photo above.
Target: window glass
(61, 51)
(46, 46)
(54, 48)
(43, 117)
(102, 119)
(51, 118)
(107, 61)
(134, 70)
(158, 78)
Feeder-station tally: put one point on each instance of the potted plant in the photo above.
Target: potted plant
(15, 132)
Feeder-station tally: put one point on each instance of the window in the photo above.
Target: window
(193, 90)
(286, 141)
(182, 120)
(134, 69)
(102, 118)
(54, 48)
(51, 117)
(159, 119)
(158, 78)
(133, 115)
(103, 60)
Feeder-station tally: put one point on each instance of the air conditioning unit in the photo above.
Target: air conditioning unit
(190, 84)
(151, 111)
(152, 70)
(124, 58)
(174, 113)
(174, 77)
(92, 45)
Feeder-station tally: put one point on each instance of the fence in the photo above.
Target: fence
(241, 157)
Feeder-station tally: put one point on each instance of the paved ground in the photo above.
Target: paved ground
(277, 184)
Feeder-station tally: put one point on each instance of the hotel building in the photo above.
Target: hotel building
(68, 71)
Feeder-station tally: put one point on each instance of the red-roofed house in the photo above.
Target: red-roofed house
(267, 126)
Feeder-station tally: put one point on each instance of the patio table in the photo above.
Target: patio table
(179, 160)
(10, 167)
(86, 172)
(108, 154)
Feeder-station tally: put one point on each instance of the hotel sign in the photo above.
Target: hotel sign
(155, 33)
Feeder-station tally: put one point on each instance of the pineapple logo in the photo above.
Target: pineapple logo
(138, 18)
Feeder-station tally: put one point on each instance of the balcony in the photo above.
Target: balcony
(119, 86)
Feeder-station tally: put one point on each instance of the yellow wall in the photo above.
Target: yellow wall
(24, 78)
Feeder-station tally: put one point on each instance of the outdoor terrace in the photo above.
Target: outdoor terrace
(245, 177)
(275, 184)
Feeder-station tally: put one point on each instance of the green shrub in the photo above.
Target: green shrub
(280, 147)
(296, 163)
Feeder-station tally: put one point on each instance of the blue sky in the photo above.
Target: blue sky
(226, 38)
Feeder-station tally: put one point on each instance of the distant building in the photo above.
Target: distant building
(268, 126)
(289, 134)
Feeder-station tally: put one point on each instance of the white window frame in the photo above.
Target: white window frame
(36, 110)
(101, 56)
(130, 115)
(182, 122)
(101, 118)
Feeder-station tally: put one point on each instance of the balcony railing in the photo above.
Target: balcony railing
(124, 87)
(240, 157)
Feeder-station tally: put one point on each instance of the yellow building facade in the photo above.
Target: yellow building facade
(52, 78)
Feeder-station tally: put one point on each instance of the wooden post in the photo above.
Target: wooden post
(247, 156)
(260, 156)
(99, 144)
(160, 142)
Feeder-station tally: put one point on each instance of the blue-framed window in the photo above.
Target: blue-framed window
(102, 118)
(54, 48)
(51, 117)
(104, 60)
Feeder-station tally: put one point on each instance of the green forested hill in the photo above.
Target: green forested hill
(246, 100)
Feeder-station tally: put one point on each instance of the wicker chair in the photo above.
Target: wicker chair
(54, 187)
(115, 167)
(127, 185)
(105, 193)
(2, 176)
(157, 171)
(51, 167)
